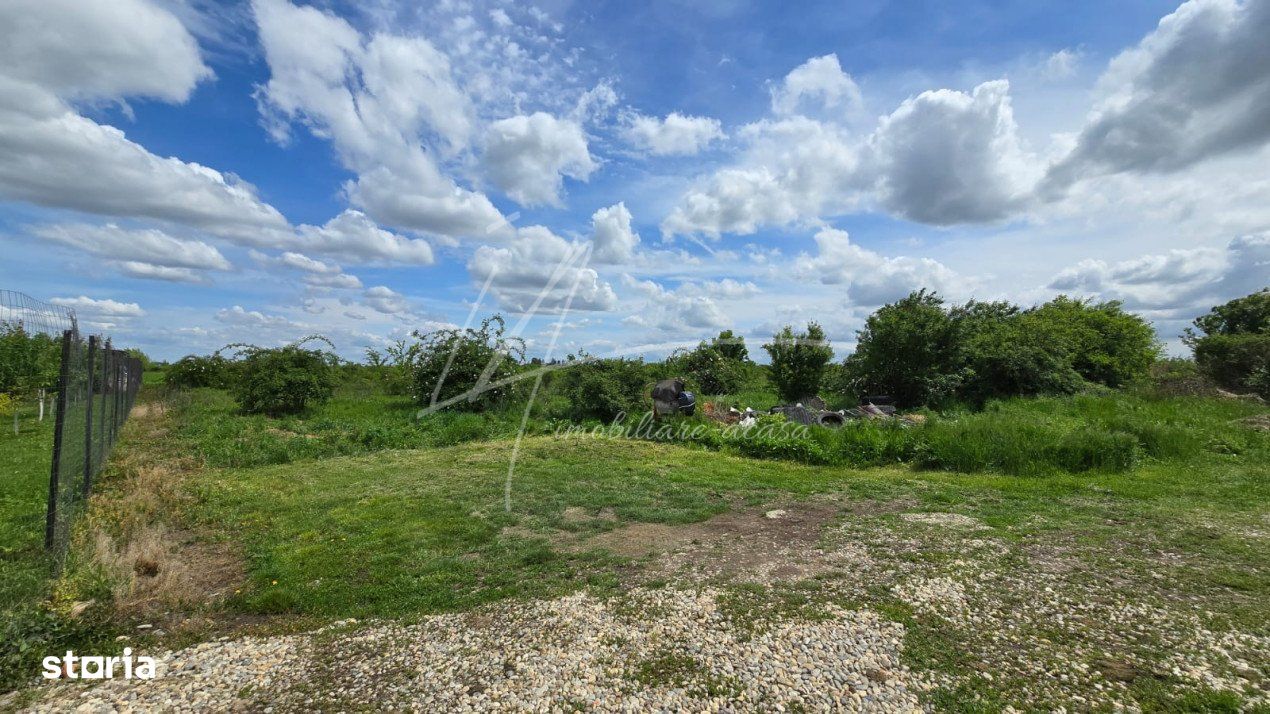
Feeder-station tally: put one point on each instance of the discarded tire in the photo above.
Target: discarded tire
(832, 420)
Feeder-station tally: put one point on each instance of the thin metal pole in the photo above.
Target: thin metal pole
(119, 413)
(50, 522)
(88, 421)
(103, 443)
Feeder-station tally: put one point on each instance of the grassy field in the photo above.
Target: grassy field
(27, 626)
(1118, 502)
(24, 477)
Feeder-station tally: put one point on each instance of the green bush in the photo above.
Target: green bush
(603, 389)
(394, 367)
(922, 353)
(798, 361)
(1236, 362)
(1234, 349)
(472, 366)
(284, 380)
(1175, 377)
(708, 370)
(731, 346)
(908, 350)
(193, 371)
(1104, 344)
(1008, 352)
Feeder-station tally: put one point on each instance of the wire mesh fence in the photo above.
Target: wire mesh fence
(92, 388)
(30, 342)
(97, 388)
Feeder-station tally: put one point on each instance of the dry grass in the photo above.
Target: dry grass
(133, 534)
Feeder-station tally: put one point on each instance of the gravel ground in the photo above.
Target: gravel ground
(662, 649)
(1023, 623)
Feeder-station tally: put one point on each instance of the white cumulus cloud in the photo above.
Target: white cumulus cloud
(528, 156)
(675, 135)
(614, 239)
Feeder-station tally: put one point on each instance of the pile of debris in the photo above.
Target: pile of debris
(813, 411)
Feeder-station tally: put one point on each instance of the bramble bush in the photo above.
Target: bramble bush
(395, 365)
(284, 380)
(195, 371)
(449, 363)
(798, 361)
(603, 389)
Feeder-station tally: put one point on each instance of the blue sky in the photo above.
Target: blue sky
(189, 174)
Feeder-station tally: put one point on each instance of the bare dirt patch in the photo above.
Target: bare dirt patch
(769, 544)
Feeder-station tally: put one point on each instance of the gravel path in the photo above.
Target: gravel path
(662, 649)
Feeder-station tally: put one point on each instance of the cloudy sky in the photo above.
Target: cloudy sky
(188, 174)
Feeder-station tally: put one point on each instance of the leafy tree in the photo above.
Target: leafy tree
(1104, 343)
(28, 360)
(731, 346)
(284, 380)
(1234, 347)
(708, 369)
(922, 353)
(909, 350)
(1238, 362)
(798, 361)
(451, 363)
(1248, 315)
(1005, 352)
(146, 362)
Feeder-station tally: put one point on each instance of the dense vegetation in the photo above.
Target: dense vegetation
(924, 353)
(1232, 345)
(28, 360)
(466, 368)
(284, 380)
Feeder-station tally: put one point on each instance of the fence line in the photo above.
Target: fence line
(35, 316)
(93, 385)
(96, 390)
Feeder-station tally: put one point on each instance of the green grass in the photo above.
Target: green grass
(408, 531)
(353, 422)
(28, 628)
(24, 477)
(357, 509)
(1022, 437)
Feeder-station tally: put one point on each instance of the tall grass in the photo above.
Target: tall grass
(1109, 433)
(1106, 432)
(349, 424)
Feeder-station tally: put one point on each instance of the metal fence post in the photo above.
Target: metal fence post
(50, 523)
(103, 444)
(88, 420)
(119, 358)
